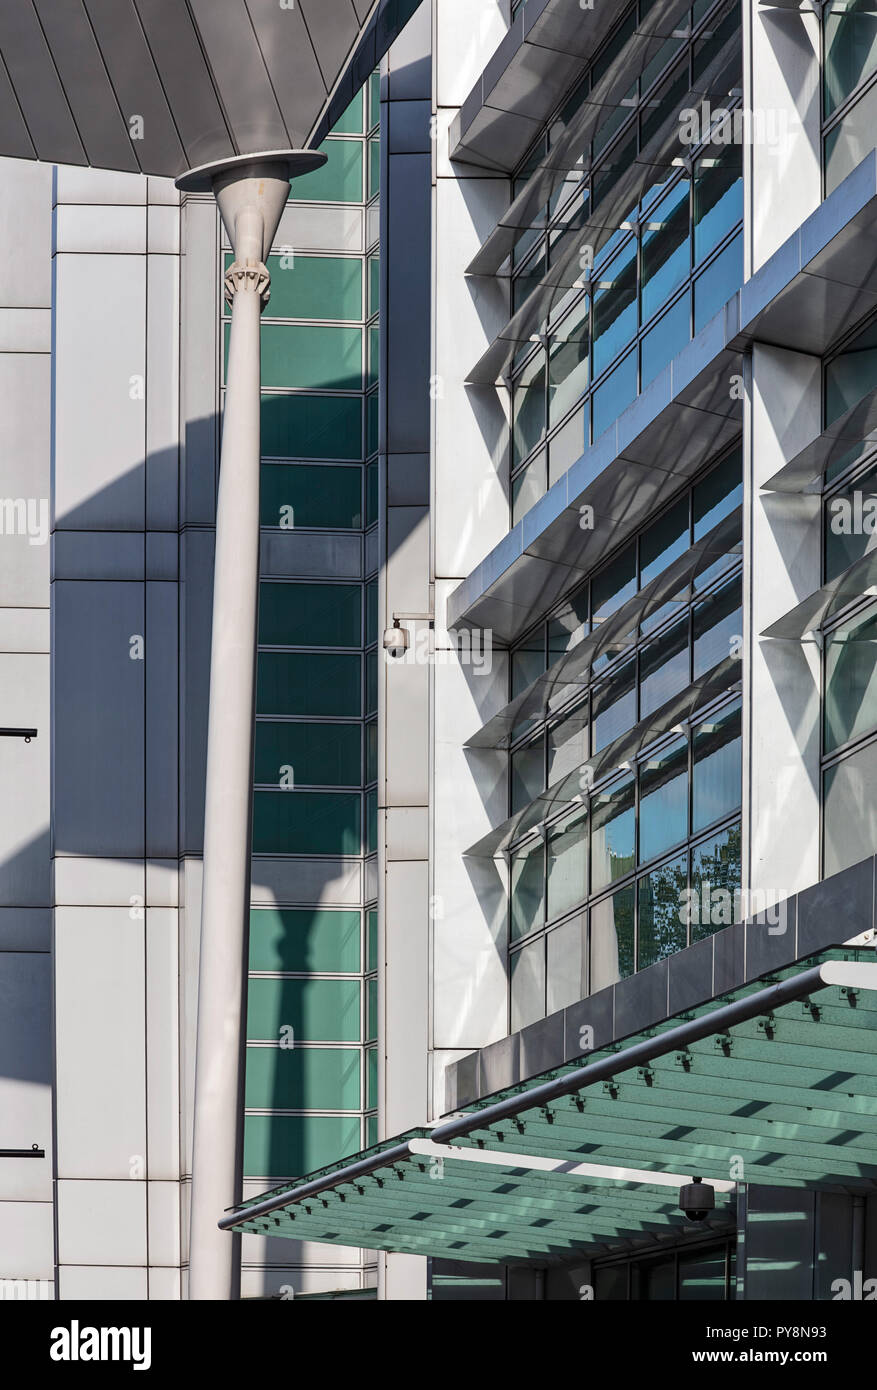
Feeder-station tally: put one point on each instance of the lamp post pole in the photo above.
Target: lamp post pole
(251, 193)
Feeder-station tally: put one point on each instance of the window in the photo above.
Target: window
(649, 860)
(615, 323)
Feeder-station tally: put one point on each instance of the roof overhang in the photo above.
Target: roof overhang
(165, 86)
(586, 1158)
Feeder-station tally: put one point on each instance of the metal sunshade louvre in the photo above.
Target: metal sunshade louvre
(664, 150)
(557, 685)
(568, 791)
(163, 86)
(782, 1073)
(562, 160)
(856, 428)
(811, 615)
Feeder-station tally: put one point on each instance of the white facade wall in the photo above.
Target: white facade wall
(26, 1218)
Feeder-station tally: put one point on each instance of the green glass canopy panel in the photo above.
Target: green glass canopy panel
(781, 1075)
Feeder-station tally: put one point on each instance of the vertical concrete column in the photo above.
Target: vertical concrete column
(251, 195)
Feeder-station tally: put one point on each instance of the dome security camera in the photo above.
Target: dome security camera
(396, 640)
(697, 1199)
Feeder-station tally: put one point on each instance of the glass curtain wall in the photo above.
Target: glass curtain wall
(665, 261)
(849, 723)
(312, 1017)
(647, 859)
(849, 86)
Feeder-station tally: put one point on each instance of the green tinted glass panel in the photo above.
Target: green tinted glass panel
(374, 99)
(371, 682)
(661, 910)
(303, 1078)
(371, 752)
(371, 1023)
(371, 826)
(310, 615)
(338, 181)
(374, 167)
(288, 822)
(374, 284)
(850, 681)
(296, 940)
(310, 356)
(371, 494)
(308, 755)
(371, 1095)
(309, 494)
(372, 425)
(372, 963)
(312, 427)
(314, 287)
(351, 121)
(850, 47)
(374, 355)
(850, 524)
(371, 612)
(309, 683)
(289, 1146)
(315, 1010)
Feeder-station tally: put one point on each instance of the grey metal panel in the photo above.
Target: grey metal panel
(823, 277)
(209, 78)
(291, 62)
(137, 84)
(563, 678)
(724, 676)
(87, 87)
(37, 86)
(239, 72)
(684, 418)
(605, 97)
(815, 611)
(187, 82)
(98, 702)
(16, 140)
(509, 104)
(804, 473)
(333, 30)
